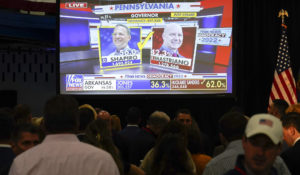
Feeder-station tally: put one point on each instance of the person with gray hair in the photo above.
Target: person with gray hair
(121, 36)
(145, 140)
(173, 39)
(157, 120)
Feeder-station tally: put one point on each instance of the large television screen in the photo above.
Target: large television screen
(131, 47)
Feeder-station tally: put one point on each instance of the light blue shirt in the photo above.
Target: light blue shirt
(225, 161)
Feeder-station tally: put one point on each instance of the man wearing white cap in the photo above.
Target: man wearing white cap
(262, 144)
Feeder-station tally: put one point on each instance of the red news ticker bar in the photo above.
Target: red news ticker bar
(198, 84)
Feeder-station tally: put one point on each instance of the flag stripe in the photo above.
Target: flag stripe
(284, 86)
(270, 99)
(293, 83)
(277, 86)
(286, 90)
(291, 78)
(274, 93)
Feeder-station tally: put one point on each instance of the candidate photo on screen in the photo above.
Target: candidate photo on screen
(174, 40)
(119, 41)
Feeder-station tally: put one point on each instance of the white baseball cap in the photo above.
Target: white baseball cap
(266, 124)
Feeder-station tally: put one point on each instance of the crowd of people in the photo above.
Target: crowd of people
(74, 139)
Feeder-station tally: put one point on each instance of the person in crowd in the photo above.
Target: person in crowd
(6, 153)
(172, 40)
(145, 139)
(126, 138)
(24, 137)
(170, 156)
(262, 145)
(184, 116)
(61, 152)
(291, 134)
(105, 115)
(172, 128)
(91, 108)
(196, 147)
(22, 113)
(121, 36)
(99, 135)
(156, 122)
(293, 108)
(278, 108)
(232, 128)
(87, 114)
(115, 123)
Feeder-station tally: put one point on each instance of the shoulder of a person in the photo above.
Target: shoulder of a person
(279, 162)
(222, 158)
(289, 152)
(232, 172)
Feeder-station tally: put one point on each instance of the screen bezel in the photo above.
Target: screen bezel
(167, 94)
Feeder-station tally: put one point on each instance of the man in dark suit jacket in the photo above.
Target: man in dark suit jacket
(291, 132)
(6, 153)
(145, 139)
(125, 139)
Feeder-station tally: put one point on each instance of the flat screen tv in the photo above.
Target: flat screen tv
(145, 47)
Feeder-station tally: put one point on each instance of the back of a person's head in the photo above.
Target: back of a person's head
(158, 119)
(195, 139)
(86, 116)
(170, 155)
(133, 115)
(236, 108)
(22, 113)
(61, 114)
(115, 123)
(173, 127)
(99, 135)
(24, 127)
(281, 105)
(232, 125)
(291, 119)
(6, 124)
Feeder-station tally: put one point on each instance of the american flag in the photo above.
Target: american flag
(284, 86)
(266, 122)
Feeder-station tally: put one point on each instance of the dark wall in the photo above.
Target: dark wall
(257, 31)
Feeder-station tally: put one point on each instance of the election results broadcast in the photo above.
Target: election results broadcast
(131, 47)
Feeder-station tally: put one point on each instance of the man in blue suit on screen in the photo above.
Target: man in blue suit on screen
(121, 37)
